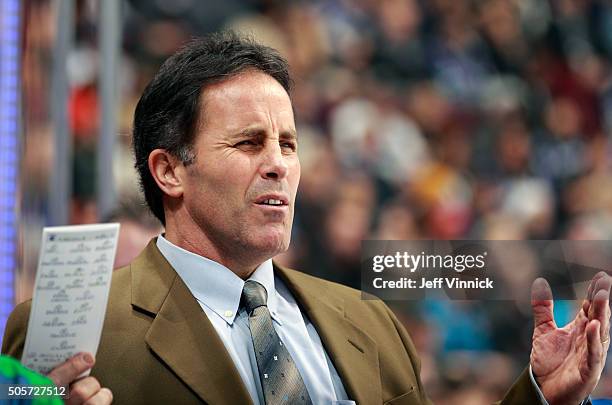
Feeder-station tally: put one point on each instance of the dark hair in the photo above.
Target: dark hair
(168, 111)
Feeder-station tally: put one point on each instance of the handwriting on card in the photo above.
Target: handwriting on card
(70, 293)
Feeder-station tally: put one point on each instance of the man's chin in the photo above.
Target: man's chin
(271, 243)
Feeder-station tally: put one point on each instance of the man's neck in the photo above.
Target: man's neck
(200, 245)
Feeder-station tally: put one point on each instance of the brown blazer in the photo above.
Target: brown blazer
(158, 346)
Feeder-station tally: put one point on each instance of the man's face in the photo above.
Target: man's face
(241, 189)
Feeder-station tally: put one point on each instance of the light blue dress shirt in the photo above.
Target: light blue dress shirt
(218, 290)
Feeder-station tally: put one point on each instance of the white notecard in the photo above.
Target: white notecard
(70, 293)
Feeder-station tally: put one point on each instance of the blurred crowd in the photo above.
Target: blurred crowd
(435, 119)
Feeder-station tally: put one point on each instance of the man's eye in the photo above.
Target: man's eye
(289, 145)
(246, 143)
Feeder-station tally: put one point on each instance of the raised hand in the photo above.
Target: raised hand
(567, 362)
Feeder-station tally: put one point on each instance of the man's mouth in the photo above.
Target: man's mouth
(272, 200)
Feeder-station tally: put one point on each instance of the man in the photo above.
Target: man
(204, 315)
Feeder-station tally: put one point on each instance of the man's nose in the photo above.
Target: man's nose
(274, 166)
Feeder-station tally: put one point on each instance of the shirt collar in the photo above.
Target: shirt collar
(213, 284)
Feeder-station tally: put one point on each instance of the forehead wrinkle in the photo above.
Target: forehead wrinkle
(250, 132)
(255, 131)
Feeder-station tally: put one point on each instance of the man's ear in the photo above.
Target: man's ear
(167, 170)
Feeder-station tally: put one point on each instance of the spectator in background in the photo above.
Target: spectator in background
(138, 226)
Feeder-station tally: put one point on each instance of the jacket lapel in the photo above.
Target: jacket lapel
(181, 334)
(353, 352)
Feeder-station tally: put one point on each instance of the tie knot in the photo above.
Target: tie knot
(253, 295)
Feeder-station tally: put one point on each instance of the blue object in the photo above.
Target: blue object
(10, 16)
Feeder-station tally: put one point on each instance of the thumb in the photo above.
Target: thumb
(542, 304)
(71, 369)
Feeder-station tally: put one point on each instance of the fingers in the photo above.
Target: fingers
(590, 291)
(600, 307)
(594, 345)
(68, 371)
(86, 390)
(542, 303)
(102, 397)
(603, 283)
(83, 390)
